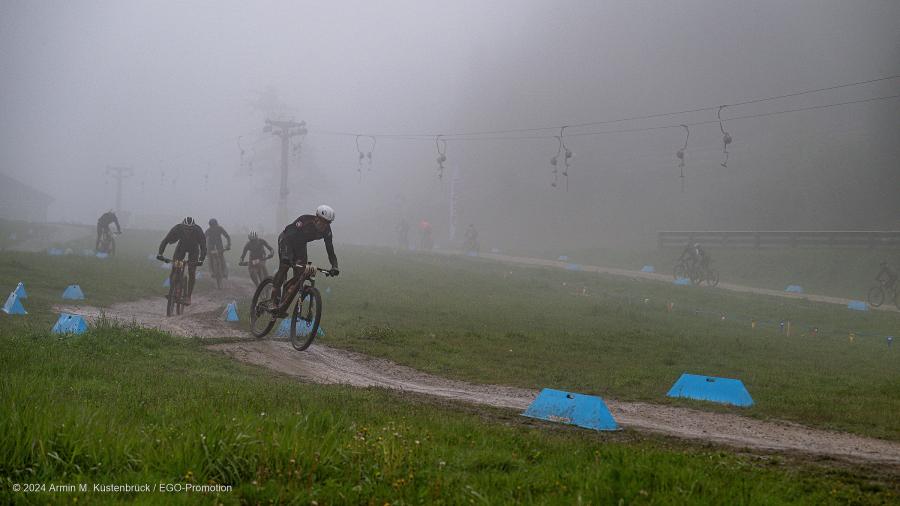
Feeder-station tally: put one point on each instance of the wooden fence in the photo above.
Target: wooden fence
(781, 238)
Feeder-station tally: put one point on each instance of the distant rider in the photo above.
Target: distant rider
(427, 242)
(257, 247)
(214, 235)
(471, 236)
(191, 242)
(108, 218)
(292, 246)
(886, 276)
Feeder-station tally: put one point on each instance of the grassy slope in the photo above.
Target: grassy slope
(845, 273)
(111, 406)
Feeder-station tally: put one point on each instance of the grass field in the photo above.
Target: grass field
(111, 406)
(847, 273)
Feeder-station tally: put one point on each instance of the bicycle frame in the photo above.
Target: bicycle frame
(306, 277)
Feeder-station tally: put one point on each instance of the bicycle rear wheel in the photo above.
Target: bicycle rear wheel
(876, 296)
(261, 320)
(679, 271)
(712, 277)
(305, 319)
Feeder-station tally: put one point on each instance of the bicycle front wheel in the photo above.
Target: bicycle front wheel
(306, 318)
(261, 320)
(173, 295)
(876, 296)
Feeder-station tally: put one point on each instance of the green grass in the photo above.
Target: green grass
(127, 405)
(847, 273)
(530, 327)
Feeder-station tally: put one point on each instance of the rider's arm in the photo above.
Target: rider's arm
(228, 238)
(271, 251)
(329, 247)
(116, 221)
(171, 237)
(202, 241)
(246, 249)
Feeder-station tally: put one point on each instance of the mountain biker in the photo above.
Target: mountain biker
(703, 258)
(214, 241)
(257, 248)
(103, 223)
(427, 242)
(191, 242)
(471, 236)
(886, 276)
(292, 246)
(689, 254)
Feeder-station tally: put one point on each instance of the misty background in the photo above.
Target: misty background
(180, 91)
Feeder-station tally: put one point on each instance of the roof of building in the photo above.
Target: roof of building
(13, 189)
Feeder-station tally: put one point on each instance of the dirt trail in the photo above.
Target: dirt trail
(321, 364)
(668, 279)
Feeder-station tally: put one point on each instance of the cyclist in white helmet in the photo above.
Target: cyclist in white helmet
(292, 245)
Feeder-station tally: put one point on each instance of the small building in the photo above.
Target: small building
(18, 201)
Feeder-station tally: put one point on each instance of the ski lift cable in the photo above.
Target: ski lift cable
(619, 120)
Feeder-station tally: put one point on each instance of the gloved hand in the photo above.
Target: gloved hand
(334, 271)
(161, 258)
(200, 263)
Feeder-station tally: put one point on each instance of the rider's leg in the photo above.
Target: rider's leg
(286, 259)
(192, 274)
(99, 231)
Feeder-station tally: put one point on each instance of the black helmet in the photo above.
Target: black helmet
(188, 221)
(252, 236)
(213, 222)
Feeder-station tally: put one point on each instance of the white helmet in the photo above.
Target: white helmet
(325, 212)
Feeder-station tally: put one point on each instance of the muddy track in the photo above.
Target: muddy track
(321, 364)
(538, 262)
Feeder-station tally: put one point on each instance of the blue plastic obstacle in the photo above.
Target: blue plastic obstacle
(20, 291)
(794, 289)
(73, 292)
(471, 254)
(573, 267)
(167, 283)
(711, 388)
(585, 411)
(102, 255)
(55, 251)
(284, 329)
(230, 313)
(563, 258)
(682, 281)
(13, 305)
(648, 268)
(69, 324)
(857, 305)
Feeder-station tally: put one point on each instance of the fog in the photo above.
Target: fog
(180, 91)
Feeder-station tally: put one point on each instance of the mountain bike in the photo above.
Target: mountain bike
(884, 291)
(178, 286)
(300, 292)
(704, 273)
(217, 265)
(257, 269)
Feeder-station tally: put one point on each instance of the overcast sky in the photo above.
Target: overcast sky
(168, 87)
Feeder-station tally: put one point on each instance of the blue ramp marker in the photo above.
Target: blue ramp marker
(102, 255)
(794, 289)
(711, 388)
(73, 292)
(20, 291)
(13, 305)
(682, 282)
(284, 330)
(857, 305)
(585, 411)
(648, 268)
(472, 254)
(563, 258)
(573, 267)
(69, 324)
(55, 252)
(167, 283)
(230, 312)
